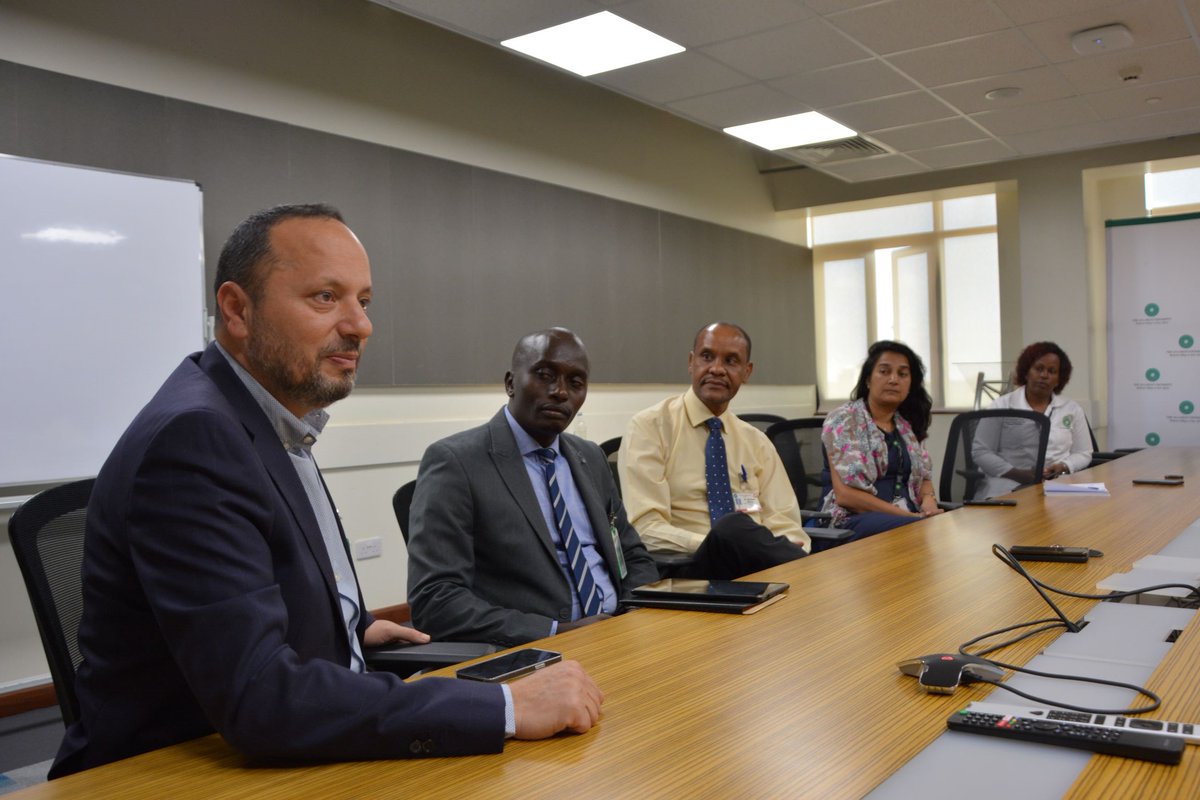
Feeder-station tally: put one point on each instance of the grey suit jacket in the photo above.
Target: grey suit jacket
(481, 563)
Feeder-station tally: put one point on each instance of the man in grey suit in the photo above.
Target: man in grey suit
(517, 530)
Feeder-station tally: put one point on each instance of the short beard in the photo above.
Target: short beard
(270, 356)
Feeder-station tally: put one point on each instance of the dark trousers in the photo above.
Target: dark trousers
(737, 546)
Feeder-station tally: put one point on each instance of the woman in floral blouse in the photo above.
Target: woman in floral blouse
(880, 473)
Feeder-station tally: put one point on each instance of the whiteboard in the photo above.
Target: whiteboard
(103, 277)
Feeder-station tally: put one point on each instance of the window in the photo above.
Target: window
(1174, 189)
(923, 270)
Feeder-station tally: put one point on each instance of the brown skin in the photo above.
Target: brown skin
(547, 383)
(887, 387)
(719, 364)
(1039, 384)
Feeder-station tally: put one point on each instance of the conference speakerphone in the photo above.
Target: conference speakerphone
(1109, 740)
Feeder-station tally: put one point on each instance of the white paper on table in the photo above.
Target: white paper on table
(1058, 487)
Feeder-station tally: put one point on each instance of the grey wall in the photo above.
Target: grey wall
(465, 259)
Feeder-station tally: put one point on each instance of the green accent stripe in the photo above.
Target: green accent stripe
(1117, 223)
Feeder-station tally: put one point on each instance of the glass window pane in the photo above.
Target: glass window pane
(969, 212)
(971, 275)
(885, 318)
(912, 303)
(845, 324)
(872, 223)
(1179, 187)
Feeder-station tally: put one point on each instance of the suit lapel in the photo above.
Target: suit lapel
(274, 458)
(511, 466)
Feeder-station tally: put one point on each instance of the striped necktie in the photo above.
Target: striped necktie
(589, 595)
(716, 473)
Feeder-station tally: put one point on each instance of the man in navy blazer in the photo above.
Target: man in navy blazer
(487, 558)
(218, 589)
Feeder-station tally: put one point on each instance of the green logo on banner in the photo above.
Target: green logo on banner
(1187, 407)
(1186, 341)
(1151, 309)
(1152, 374)
(1153, 439)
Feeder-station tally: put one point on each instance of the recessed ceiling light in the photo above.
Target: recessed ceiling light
(594, 44)
(1003, 93)
(791, 131)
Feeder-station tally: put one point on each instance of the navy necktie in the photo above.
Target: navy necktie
(589, 595)
(716, 473)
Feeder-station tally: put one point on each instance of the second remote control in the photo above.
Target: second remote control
(1187, 731)
(1126, 743)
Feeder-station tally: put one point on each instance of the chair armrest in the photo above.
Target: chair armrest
(946, 505)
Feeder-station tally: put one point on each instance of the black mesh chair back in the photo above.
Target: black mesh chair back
(761, 421)
(47, 539)
(798, 442)
(985, 447)
(401, 502)
(611, 447)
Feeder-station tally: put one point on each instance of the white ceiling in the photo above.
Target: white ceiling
(910, 75)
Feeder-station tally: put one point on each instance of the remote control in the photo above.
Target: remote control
(1187, 731)
(1111, 741)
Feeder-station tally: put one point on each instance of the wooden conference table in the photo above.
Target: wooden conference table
(800, 700)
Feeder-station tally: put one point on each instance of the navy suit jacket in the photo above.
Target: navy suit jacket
(481, 563)
(210, 603)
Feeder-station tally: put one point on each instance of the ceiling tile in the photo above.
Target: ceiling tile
(739, 105)
(990, 54)
(696, 22)
(961, 155)
(873, 169)
(1036, 117)
(930, 134)
(890, 112)
(672, 78)
(834, 6)
(1057, 140)
(1036, 85)
(496, 21)
(1023, 12)
(907, 24)
(863, 80)
(1142, 99)
(805, 45)
(1159, 63)
(1149, 22)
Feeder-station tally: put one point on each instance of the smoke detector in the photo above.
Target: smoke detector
(1104, 39)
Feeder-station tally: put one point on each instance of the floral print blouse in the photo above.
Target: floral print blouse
(858, 452)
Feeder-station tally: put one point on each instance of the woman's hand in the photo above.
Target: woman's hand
(929, 506)
(1055, 470)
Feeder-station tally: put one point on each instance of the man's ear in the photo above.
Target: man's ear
(749, 369)
(236, 309)
(508, 384)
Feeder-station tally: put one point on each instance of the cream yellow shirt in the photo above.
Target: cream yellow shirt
(661, 465)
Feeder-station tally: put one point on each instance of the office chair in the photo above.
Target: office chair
(1103, 456)
(401, 502)
(47, 539)
(798, 442)
(981, 440)
(610, 447)
(761, 421)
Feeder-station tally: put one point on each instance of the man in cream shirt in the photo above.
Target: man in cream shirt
(696, 479)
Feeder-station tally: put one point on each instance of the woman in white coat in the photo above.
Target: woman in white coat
(1042, 372)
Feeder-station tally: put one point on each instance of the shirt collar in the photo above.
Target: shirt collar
(525, 442)
(295, 433)
(697, 412)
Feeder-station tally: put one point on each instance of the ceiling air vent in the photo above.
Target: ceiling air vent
(833, 152)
